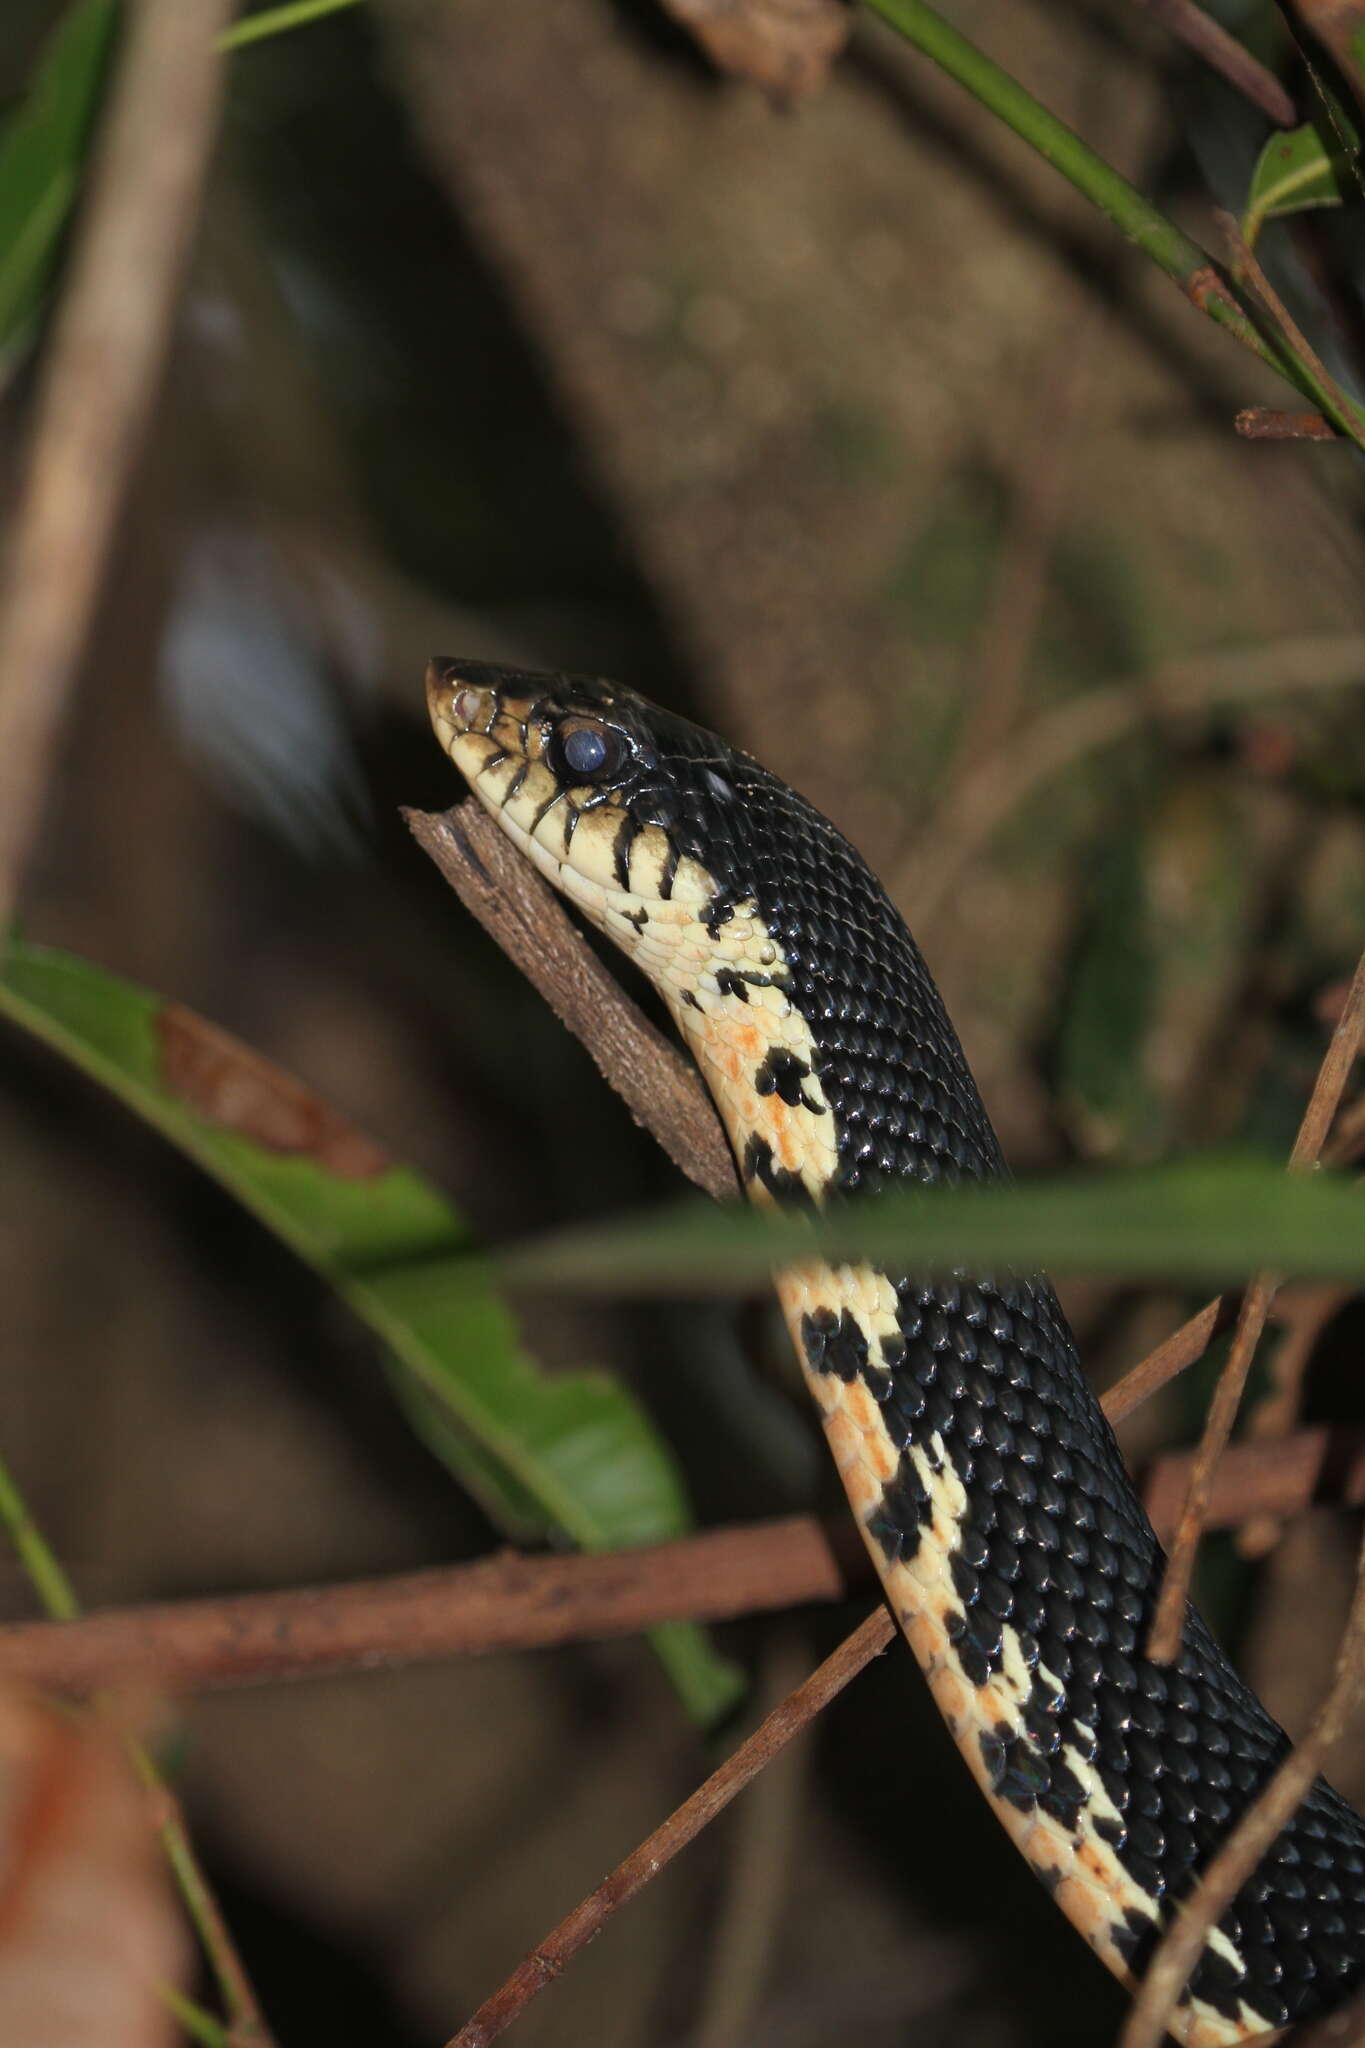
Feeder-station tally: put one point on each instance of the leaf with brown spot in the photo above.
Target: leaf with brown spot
(239, 1090)
(785, 46)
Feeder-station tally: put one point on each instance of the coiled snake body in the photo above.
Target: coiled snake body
(986, 1482)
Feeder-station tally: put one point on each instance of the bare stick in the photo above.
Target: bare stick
(1270, 1811)
(1341, 1054)
(106, 352)
(1183, 1348)
(524, 915)
(505, 1602)
(1324, 386)
(511, 1602)
(1344, 2028)
(547, 1960)
(1222, 52)
(1259, 423)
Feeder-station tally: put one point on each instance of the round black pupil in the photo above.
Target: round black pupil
(585, 750)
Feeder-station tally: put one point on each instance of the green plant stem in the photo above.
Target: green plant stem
(1182, 259)
(274, 21)
(59, 1602)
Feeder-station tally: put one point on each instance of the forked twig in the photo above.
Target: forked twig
(1273, 1808)
(797, 1711)
(1342, 1051)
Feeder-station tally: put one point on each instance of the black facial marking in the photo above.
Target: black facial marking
(668, 874)
(627, 832)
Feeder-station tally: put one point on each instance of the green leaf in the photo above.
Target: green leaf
(1294, 171)
(1203, 1220)
(42, 157)
(569, 1452)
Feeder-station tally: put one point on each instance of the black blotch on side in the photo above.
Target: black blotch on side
(1064, 1796)
(690, 999)
(719, 910)
(1220, 1985)
(668, 873)
(781, 1074)
(759, 1165)
(640, 918)
(1135, 1937)
(731, 984)
(971, 1658)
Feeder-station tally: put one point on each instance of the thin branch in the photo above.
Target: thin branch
(514, 1602)
(1342, 1051)
(521, 911)
(1183, 1348)
(1221, 51)
(549, 1957)
(1344, 2028)
(1315, 376)
(1259, 423)
(1179, 1950)
(504, 1602)
(106, 352)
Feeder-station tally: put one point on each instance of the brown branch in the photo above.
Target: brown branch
(1183, 1348)
(503, 1602)
(1270, 1811)
(1259, 423)
(521, 911)
(548, 1959)
(513, 1602)
(1222, 52)
(1248, 272)
(105, 355)
(1342, 1051)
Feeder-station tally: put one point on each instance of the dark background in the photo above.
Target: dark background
(514, 331)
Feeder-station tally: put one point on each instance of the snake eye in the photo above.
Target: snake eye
(583, 750)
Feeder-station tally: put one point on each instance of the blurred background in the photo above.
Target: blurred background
(516, 330)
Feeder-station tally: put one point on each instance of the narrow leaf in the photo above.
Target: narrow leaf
(569, 1452)
(1203, 1219)
(42, 157)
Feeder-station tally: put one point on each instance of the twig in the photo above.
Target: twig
(513, 1602)
(1221, 51)
(1259, 423)
(1342, 1051)
(1315, 376)
(1059, 738)
(1270, 1811)
(105, 355)
(1183, 1348)
(503, 1602)
(1302, 1317)
(527, 920)
(547, 1960)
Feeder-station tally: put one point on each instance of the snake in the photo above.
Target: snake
(990, 1491)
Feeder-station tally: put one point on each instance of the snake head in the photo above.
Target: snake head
(624, 806)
